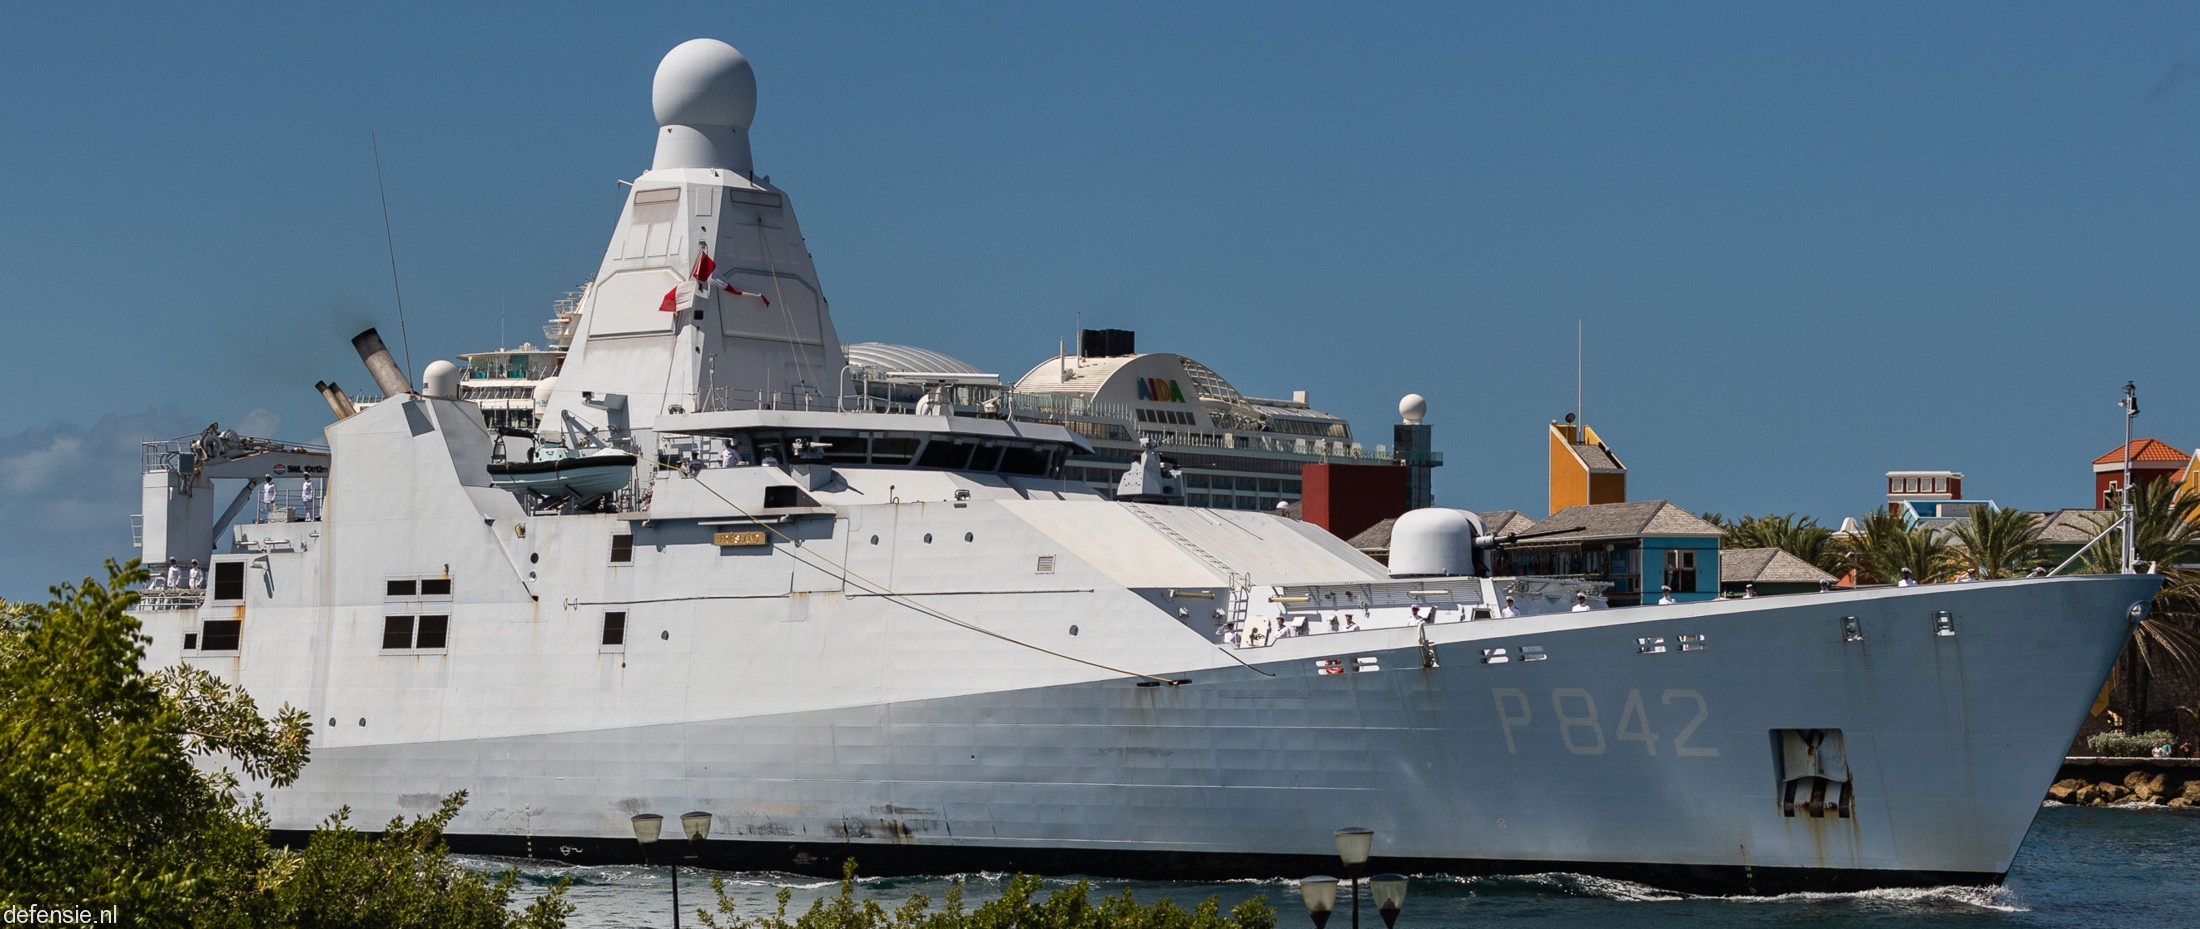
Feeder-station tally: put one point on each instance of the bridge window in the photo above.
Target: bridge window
(893, 450)
(229, 580)
(953, 456)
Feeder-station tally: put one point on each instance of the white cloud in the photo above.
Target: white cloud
(260, 422)
(32, 471)
(67, 491)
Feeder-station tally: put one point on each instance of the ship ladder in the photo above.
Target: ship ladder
(1139, 510)
(1241, 599)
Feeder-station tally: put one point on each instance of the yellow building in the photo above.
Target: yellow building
(1583, 468)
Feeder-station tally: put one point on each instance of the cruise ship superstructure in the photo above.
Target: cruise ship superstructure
(908, 638)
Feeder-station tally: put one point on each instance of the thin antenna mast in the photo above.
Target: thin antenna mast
(1579, 417)
(391, 240)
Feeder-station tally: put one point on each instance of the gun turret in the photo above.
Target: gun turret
(1495, 541)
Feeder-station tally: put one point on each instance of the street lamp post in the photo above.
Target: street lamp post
(648, 826)
(1320, 891)
(2123, 504)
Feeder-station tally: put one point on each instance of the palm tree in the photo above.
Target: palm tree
(1999, 543)
(1928, 556)
(1881, 546)
(2166, 536)
(1803, 537)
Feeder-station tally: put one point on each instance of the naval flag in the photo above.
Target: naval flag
(721, 283)
(705, 280)
(680, 297)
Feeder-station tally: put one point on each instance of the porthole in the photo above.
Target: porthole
(970, 537)
(1073, 630)
(927, 538)
(332, 720)
(534, 557)
(874, 540)
(665, 635)
(362, 721)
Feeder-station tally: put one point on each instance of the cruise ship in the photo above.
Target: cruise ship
(1235, 452)
(913, 637)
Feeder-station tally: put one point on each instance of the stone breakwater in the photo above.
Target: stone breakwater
(2173, 782)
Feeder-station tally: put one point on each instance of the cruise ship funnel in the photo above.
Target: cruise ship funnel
(379, 363)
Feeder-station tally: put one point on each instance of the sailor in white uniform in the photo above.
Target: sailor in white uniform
(267, 497)
(305, 496)
(1508, 612)
(175, 573)
(1581, 603)
(1907, 580)
(198, 576)
(1665, 596)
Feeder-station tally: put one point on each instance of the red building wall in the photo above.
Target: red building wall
(1347, 498)
(2141, 475)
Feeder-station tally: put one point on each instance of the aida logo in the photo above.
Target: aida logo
(1159, 390)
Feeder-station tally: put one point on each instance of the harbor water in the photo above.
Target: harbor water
(2081, 867)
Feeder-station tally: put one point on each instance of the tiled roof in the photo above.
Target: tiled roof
(1499, 522)
(2148, 449)
(1766, 566)
(1626, 521)
(1375, 537)
(1595, 459)
(2074, 527)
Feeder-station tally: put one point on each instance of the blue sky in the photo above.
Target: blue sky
(1809, 243)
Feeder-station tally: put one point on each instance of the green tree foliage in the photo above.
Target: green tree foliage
(1801, 537)
(99, 803)
(2117, 743)
(1019, 907)
(2166, 535)
(1999, 543)
(102, 805)
(1883, 545)
(401, 879)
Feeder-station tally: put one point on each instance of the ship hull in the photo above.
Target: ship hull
(1606, 757)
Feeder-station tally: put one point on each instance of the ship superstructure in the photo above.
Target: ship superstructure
(910, 637)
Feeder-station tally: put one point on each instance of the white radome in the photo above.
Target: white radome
(1434, 542)
(440, 379)
(1411, 408)
(704, 82)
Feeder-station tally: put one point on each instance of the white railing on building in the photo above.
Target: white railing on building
(171, 598)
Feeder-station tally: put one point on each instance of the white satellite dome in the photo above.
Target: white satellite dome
(704, 96)
(1411, 408)
(704, 82)
(440, 379)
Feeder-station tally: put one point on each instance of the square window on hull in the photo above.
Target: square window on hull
(221, 635)
(614, 628)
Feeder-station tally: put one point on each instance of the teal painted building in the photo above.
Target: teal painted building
(1635, 547)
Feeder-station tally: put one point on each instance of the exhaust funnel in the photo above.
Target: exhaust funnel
(337, 402)
(386, 373)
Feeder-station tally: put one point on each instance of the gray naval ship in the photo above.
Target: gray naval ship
(901, 636)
